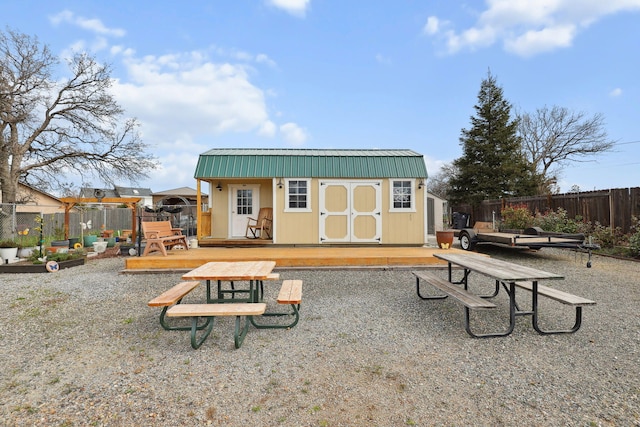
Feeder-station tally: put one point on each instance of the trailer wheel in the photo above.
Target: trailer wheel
(467, 241)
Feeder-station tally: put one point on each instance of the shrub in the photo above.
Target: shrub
(516, 217)
(558, 222)
(634, 238)
(8, 244)
(634, 244)
(606, 237)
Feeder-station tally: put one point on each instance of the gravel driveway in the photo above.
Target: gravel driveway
(81, 348)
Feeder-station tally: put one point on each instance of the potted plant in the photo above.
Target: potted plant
(58, 237)
(27, 243)
(90, 238)
(8, 250)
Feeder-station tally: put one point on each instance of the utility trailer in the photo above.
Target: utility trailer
(533, 238)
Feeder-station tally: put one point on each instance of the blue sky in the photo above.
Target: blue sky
(350, 74)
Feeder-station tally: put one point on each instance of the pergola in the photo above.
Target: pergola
(130, 202)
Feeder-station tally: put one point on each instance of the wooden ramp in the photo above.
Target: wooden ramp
(291, 257)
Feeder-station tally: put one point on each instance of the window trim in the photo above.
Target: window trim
(413, 195)
(286, 195)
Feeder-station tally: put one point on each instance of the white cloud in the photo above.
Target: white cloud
(293, 134)
(264, 59)
(267, 129)
(293, 7)
(615, 93)
(528, 27)
(432, 26)
(93, 25)
(176, 94)
(186, 101)
(533, 42)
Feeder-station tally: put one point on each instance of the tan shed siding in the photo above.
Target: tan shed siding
(402, 227)
(219, 212)
(297, 227)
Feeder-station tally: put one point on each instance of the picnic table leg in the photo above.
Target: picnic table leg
(208, 291)
(195, 342)
(462, 281)
(241, 332)
(512, 317)
(534, 320)
(295, 312)
(427, 297)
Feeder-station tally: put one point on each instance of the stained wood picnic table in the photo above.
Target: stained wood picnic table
(251, 271)
(510, 276)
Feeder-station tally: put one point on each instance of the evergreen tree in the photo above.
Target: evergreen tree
(492, 164)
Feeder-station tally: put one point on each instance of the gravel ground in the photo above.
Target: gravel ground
(81, 347)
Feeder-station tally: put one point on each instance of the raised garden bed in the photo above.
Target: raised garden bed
(28, 267)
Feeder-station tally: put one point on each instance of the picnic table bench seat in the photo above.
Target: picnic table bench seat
(458, 293)
(557, 295)
(209, 311)
(469, 300)
(161, 235)
(171, 297)
(561, 297)
(290, 294)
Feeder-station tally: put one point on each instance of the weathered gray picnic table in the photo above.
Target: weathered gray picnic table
(507, 275)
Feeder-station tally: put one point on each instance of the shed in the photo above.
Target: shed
(317, 196)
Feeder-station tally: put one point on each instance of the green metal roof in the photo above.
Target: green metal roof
(310, 163)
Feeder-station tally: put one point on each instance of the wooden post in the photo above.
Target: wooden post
(67, 207)
(198, 210)
(134, 223)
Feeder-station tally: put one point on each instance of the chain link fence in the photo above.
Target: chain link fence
(15, 220)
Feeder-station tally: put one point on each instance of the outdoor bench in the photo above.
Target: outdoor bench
(457, 292)
(160, 236)
(171, 297)
(560, 296)
(290, 294)
(209, 311)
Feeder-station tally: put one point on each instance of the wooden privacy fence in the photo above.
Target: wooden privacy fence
(611, 208)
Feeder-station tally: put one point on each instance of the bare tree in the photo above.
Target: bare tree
(555, 136)
(53, 127)
(439, 183)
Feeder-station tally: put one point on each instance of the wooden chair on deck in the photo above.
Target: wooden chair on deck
(260, 227)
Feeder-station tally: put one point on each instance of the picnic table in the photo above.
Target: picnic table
(507, 275)
(255, 272)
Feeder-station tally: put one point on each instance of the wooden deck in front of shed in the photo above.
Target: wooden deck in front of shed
(291, 257)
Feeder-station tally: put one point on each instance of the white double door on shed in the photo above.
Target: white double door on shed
(350, 211)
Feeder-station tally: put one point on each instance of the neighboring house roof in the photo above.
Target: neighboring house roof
(28, 194)
(133, 191)
(88, 192)
(116, 192)
(289, 163)
(182, 191)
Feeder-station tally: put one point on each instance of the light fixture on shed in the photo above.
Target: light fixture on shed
(219, 187)
(280, 183)
(421, 184)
